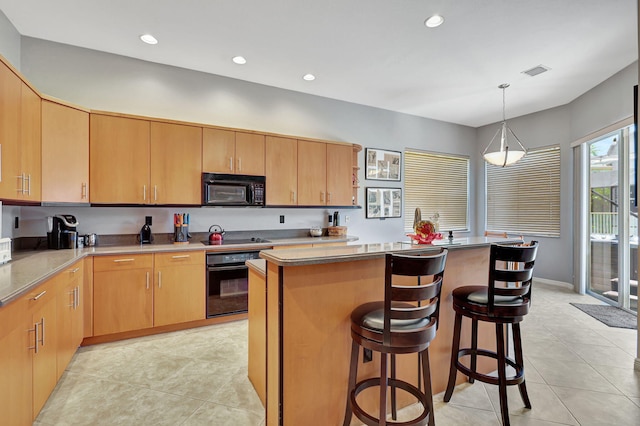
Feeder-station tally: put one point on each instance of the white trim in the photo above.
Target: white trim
(611, 128)
(553, 282)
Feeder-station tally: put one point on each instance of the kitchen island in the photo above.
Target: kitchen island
(310, 294)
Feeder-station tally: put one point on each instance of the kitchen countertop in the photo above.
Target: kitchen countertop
(30, 268)
(319, 255)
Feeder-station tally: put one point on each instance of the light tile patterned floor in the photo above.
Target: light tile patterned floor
(579, 372)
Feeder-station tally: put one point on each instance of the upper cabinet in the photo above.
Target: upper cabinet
(281, 171)
(312, 173)
(19, 138)
(65, 131)
(340, 175)
(119, 160)
(176, 156)
(135, 161)
(226, 151)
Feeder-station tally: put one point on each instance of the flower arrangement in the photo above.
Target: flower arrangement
(425, 232)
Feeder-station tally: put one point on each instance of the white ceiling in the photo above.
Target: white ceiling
(371, 52)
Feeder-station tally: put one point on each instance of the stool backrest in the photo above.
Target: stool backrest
(424, 296)
(511, 271)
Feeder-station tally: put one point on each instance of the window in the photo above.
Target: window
(437, 184)
(525, 198)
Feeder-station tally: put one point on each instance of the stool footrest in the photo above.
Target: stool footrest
(516, 379)
(369, 420)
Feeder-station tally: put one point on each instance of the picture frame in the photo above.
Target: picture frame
(383, 203)
(383, 164)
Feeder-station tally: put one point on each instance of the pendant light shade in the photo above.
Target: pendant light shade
(502, 154)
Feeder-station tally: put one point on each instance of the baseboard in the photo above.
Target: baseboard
(553, 282)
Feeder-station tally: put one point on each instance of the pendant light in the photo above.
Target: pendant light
(504, 155)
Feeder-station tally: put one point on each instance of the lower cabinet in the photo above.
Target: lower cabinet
(142, 291)
(43, 320)
(122, 293)
(15, 364)
(70, 300)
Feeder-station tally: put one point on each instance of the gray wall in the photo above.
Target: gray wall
(9, 41)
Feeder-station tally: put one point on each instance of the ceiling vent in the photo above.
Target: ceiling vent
(536, 70)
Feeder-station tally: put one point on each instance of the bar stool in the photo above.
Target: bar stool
(405, 322)
(505, 303)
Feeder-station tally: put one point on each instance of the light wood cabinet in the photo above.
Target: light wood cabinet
(42, 309)
(312, 173)
(226, 151)
(15, 364)
(142, 291)
(281, 171)
(179, 288)
(65, 153)
(70, 313)
(19, 139)
(176, 156)
(123, 293)
(340, 175)
(119, 160)
(30, 145)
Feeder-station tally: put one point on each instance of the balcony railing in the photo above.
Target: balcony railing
(607, 224)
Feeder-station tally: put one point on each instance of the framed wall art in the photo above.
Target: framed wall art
(384, 202)
(382, 164)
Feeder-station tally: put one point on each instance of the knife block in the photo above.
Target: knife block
(181, 234)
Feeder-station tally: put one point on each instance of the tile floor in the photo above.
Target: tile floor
(579, 372)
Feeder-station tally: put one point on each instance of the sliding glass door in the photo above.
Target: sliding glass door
(612, 270)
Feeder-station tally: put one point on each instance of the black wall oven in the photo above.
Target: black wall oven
(228, 282)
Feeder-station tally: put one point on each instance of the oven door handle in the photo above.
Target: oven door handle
(225, 268)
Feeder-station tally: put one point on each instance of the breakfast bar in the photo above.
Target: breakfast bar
(305, 313)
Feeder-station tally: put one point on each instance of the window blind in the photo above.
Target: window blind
(524, 198)
(437, 184)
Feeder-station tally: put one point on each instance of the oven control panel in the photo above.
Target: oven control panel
(231, 258)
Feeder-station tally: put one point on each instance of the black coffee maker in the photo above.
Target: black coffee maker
(145, 237)
(63, 231)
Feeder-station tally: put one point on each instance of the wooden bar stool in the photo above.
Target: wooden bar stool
(405, 322)
(504, 303)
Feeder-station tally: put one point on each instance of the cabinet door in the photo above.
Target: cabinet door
(30, 156)
(281, 170)
(15, 365)
(312, 173)
(123, 300)
(10, 94)
(87, 297)
(45, 359)
(176, 164)
(339, 175)
(179, 293)
(65, 129)
(119, 160)
(69, 314)
(249, 154)
(218, 151)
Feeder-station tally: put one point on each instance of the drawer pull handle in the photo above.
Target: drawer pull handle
(38, 296)
(181, 256)
(123, 260)
(73, 271)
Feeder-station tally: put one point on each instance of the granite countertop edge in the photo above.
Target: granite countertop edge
(31, 268)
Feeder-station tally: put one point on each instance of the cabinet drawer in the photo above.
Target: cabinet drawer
(72, 272)
(122, 262)
(179, 258)
(41, 294)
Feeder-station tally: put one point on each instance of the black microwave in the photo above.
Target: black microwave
(232, 190)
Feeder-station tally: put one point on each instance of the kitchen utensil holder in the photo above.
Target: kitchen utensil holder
(181, 234)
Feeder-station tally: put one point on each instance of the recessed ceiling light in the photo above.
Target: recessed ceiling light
(240, 60)
(434, 21)
(149, 39)
(309, 77)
